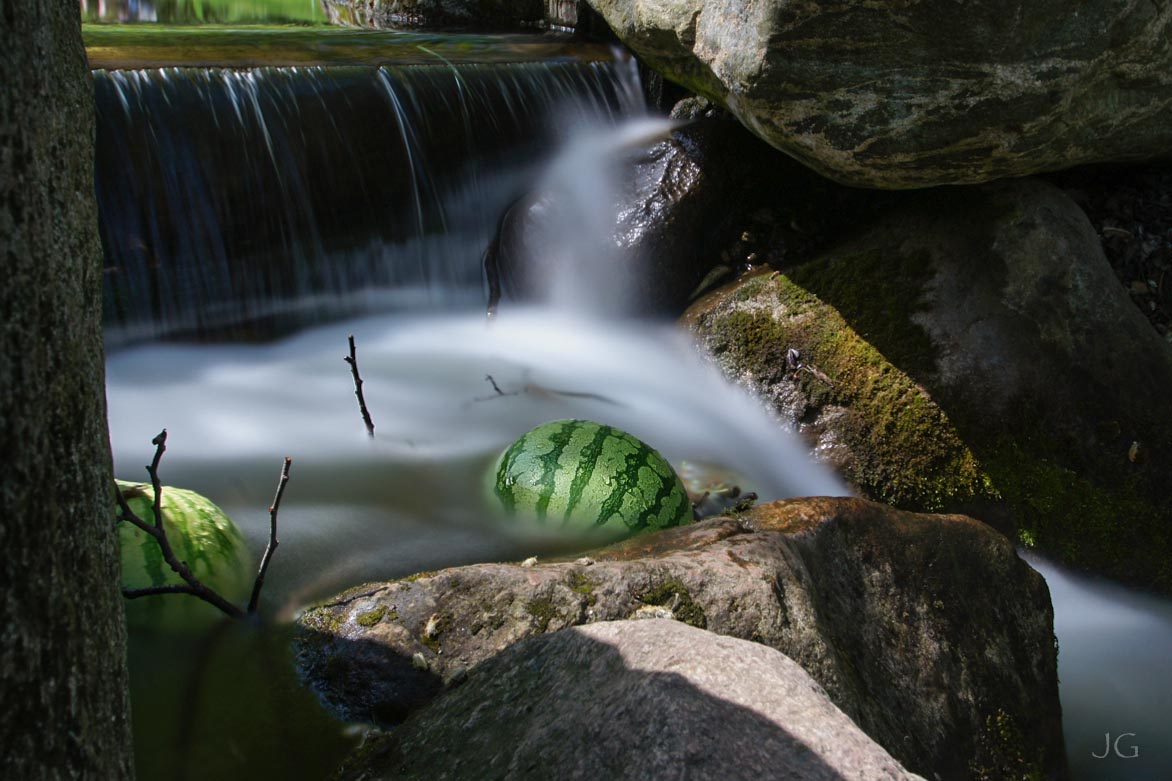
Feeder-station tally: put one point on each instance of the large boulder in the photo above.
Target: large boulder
(928, 631)
(899, 94)
(979, 354)
(631, 699)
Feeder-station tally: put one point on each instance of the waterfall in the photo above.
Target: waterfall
(233, 199)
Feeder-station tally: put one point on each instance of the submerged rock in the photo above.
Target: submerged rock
(899, 95)
(631, 699)
(928, 631)
(982, 356)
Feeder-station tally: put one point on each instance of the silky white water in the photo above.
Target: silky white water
(1115, 676)
(412, 497)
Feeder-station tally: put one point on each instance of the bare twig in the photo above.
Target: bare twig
(174, 588)
(191, 584)
(352, 359)
(259, 583)
(541, 391)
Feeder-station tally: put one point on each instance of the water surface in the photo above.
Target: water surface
(1115, 676)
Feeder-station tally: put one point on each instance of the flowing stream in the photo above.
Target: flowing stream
(269, 211)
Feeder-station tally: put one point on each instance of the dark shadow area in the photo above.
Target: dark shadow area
(700, 207)
(227, 705)
(362, 680)
(567, 706)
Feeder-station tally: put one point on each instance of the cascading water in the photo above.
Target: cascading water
(229, 198)
(232, 196)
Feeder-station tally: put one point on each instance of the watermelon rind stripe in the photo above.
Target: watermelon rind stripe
(626, 477)
(587, 463)
(504, 484)
(549, 466)
(655, 514)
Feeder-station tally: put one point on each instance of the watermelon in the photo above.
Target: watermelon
(201, 535)
(578, 475)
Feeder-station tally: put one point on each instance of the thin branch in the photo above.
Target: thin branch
(193, 584)
(258, 584)
(542, 392)
(160, 443)
(173, 588)
(352, 359)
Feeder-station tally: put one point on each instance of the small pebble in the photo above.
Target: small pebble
(585, 561)
(530, 562)
(419, 661)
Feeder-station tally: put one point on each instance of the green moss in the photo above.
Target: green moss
(326, 620)
(852, 315)
(1102, 525)
(371, 617)
(672, 593)
(580, 584)
(907, 451)
(878, 293)
(1002, 753)
(418, 576)
(542, 609)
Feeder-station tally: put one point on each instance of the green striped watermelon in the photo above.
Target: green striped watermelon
(588, 477)
(201, 535)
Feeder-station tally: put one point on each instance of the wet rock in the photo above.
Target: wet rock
(926, 630)
(863, 416)
(1131, 209)
(983, 357)
(682, 205)
(621, 699)
(899, 95)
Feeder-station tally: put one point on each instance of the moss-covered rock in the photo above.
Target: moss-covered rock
(870, 420)
(984, 358)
